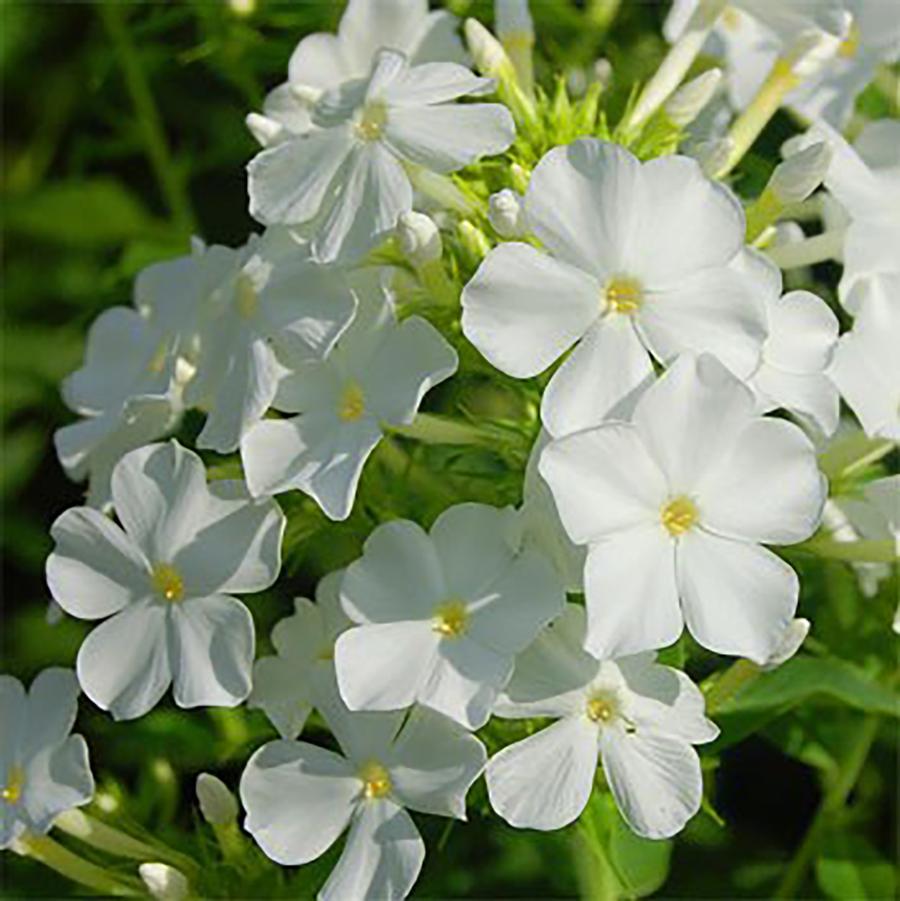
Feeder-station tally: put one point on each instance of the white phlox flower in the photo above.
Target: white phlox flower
(639, 718)
(164, 576)
(796, 355)
(44, 770)
(347, 179)
(674, 507)
(301, 798)
(865, 182)
(288, 684)
(376, 376)
(866, 367)
(750, 35)
(270, 300)
(640, 263)
(322, 61)
(440, 615)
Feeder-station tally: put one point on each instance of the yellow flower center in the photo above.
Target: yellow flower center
(158, 362)
(167, 582)
(602, 708)
(850, 45)
(372, 121)
(731, 18)
(623, 294)
(326, 652)
(375, 779)
(15, 780)
(679, 515)
(245, 297)
(352, 404)
(451, 619)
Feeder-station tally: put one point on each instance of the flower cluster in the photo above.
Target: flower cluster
(624, 284)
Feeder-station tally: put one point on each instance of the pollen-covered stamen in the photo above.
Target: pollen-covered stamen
(679, 515)
(15, 781)
(850, 45)
(603, 708)
(375, 779)
(245, 297)
(372, 120)
(451, 619)
(352, 403)
(167, 582)
(623, 294)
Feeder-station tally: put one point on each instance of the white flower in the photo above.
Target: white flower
(673, 507)
(641, 261)
(44, 771)
(164, 578)
(442, 614)
(803, 334)
(793, 637)
(288, 685)
(300, 798)
(641, 719)
(217, 803)
(322, 61)
(866, 365)
(376, 376)
(347, 177)
(270, 299)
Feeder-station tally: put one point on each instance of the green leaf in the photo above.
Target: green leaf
(642, 864)
(89, 213)
(849, 867)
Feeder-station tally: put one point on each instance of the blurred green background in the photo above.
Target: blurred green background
(123, 135)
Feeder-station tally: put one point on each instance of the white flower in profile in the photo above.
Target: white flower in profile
(674, 507)
(376, 376)
(44, 771)
(803, 334)
(640, 262)
(288, 684)
(347, 180)
(442, 614)
(271, 300)
(639, 718)
(300, 798)
(165, 577)
(866, 367)
(322, 61)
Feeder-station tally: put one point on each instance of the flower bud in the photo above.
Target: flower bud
(242, 7)
(602, 71)
(267, 131)
(513, 20)
(306, 94)
(217, 803)
(801, 173)
(813, 48)
(713, 155)
(689, 100)
(520, 178)
(794, 636)
(506, 214)
(474, 239)
(487, 52)
(164, 883)
(418, 238)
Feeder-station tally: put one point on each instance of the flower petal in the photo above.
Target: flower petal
(95, 569)
(211, 647)
(545, 781)
(631, 594)
(57, 779)
(603, 481)
(431, 83)
(768, 489)
(655, 780)
(600, 379)
(738, 598)
(52, 706)
(523, 309)
(123, 665)
(298, 798)
(802, 333)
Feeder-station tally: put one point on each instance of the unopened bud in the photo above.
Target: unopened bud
(164, 883)
(267, 131)
(242, 7)
(689, 100)
(603, 71)
(473, 239)
(794, 636)
(506, 214)
(217, 803)
(487, 52)
(418, 238)
(520, 178)
(306, 94)
(713, 155)
(513, 20)
(812, 49)
(800, 174)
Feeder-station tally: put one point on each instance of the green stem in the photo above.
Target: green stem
(737, 677)
(598, 882)
(834, 800)
(851, 551)
(432, 429)
(147, 115)
(53, 855)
